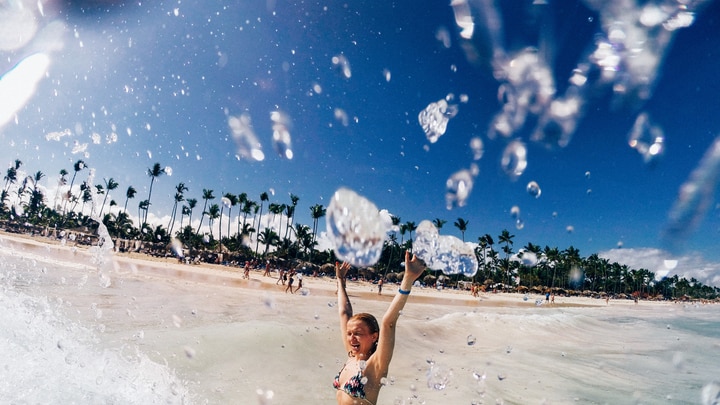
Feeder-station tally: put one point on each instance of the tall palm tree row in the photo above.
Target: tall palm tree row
(530, 267)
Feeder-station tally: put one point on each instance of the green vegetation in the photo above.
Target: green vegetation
(24, 208)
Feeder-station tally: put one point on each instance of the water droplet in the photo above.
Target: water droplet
(265, 397)
(443, 252)
(343, 64)
(646, 138)
(356, 228)
(477, 147)
(281, 134)
(438, 377)
(387, 75)
(710, 394)
(247, 143)
(434, 119)
(514, 159)
(458, 188)
(534, 189)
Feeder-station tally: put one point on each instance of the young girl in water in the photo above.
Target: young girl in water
(369, 345)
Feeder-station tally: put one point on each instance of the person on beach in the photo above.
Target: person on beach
(290, 282)
(369, 345)
(300, 277)
(281, 277)
(380, 284)
(246, 274)
(267, 269)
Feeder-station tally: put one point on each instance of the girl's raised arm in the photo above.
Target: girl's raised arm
(344, 308)
(386, 343)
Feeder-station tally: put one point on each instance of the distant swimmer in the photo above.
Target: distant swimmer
(369, 345)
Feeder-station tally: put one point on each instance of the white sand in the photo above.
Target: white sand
(227, 338)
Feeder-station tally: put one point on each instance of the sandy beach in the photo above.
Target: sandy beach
(231, 340)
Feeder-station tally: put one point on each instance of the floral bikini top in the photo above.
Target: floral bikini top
(355, 387)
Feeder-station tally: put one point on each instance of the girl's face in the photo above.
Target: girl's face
(360, 339)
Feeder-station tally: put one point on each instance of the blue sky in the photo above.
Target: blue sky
(157, 82)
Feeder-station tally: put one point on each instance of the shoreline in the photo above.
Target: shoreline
(216, 274)
(225, 339)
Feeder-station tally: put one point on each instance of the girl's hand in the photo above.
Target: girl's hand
(414, 267)
(341, 269)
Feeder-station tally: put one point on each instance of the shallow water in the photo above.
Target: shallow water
(83, 332)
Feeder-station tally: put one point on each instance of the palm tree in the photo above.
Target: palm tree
(191, 204)
(180, 190)
(439, 222)
(79, 165)
(11, 175)
(213, 214)
(241, 200)
(110, 184)
(403, 231)
(263, 197)
(290, 213)
(129, 193)
(86, 195)
(317, 211)
(207, 195)
(411, 227)
(275, 209)
(461, 224)
(552, 256)
(268, 237)
(506, 238)
(246, 210)
(36, 196)
(154, 172)
(61, 182)
(233, 200)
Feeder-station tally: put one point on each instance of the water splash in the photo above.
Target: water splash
(694, 197)
(18, 85)
(646, 138)
(247, 143)
(533, 188)
(356, 228)
(477, 147)
(434, 119)
(343, 64)
(443, 252)
(282, 142)
(710, 394)
(458, 187)
(514, 159)
(438, 377)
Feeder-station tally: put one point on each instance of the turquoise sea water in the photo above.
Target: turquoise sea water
(76, 330)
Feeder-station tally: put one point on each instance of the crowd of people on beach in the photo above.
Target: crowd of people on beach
(286, 277)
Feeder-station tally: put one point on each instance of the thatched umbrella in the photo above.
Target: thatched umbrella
(327, 268)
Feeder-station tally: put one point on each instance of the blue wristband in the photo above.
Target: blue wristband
(403, 292)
